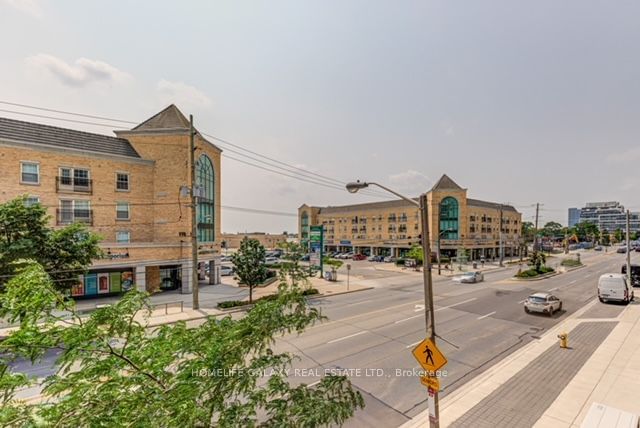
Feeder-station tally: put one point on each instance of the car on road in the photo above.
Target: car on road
(271, 260)
(389, 259)
(635, 274)
(469, 277)
(359, 257)
(622, 250)
(613, 287)
(226, 270)
(545, 303)
(376, 258)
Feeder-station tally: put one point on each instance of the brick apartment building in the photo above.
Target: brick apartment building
(127, 189)
(392, 227)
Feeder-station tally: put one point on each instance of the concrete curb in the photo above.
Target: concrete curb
(489, 377)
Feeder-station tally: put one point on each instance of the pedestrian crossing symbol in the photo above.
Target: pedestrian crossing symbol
(429, 356)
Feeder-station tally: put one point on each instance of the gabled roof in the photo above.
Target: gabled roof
(446, 183)
(169, 118)
(47, 135)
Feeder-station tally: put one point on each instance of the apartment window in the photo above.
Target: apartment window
(73, 180)
(122, 211)
(122, 181)
(72, 211)
(123, 237)
(31, 201)
(30, 173)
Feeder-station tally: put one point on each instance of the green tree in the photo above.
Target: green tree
(586, 231)
(618, 235)
(249, 264)
(552, 229)
(417, 254)
(537, 260)
(634, 236)
(112, 371)
(605, 238)
(65, 252)
(528, 231)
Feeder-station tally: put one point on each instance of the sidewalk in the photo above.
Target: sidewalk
(543, 385)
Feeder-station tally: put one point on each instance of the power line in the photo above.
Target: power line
(303, 172)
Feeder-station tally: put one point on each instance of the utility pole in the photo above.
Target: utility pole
(628, 251)
(501, 245)
(429, 316)
(535, 238)
(194, 225)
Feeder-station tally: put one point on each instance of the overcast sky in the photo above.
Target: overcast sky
(519, 102)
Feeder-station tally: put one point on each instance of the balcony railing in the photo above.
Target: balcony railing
(83, 216)
(74, 184)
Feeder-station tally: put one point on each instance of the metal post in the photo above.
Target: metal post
(439, 235)
(429, 315)
(628, 251)
(194, 225)
(501, 244)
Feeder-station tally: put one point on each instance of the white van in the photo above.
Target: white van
(614, 287)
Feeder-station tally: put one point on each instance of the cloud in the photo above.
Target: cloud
(410, 181)
(631, 155)
(81, 73)
(30, 7)
(181, 94)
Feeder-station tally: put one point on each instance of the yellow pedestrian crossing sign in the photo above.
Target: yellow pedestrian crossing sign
(429, 356)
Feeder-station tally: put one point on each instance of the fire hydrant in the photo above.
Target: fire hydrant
(564, 340)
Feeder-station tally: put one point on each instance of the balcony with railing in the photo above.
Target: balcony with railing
(74, 184)
(68, 216)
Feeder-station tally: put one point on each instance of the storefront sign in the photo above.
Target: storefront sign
(316, 235)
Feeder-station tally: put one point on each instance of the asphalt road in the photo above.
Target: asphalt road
(370, 334)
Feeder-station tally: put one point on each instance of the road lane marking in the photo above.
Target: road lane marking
(357, 303)
(418, 308)
(522, 301)
(347, 337)
(407, 319)
(484, 316)
(413, 345)
(456, 304)
(574, 281)
(554, 289)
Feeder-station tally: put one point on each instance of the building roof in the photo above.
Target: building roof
(446, 183)
(47, 135)
(169, 118)
(403, 203)
(485, 204)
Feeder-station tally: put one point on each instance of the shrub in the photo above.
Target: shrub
(310, 291)
(530, 273)
(571, 262)
(400, 262)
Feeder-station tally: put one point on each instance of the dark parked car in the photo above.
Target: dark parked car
(635, 274)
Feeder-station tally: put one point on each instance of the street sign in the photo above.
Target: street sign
(429, 356)
(430, 382)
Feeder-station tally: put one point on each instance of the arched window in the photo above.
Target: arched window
(449, 218)
(205, 181)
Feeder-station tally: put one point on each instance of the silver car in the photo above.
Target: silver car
(469, 278)
(545, 303)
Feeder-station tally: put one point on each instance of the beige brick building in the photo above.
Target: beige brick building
(270, 241)
(392, 227)
(130, 189)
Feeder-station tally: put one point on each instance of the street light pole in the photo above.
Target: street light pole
(429, 316)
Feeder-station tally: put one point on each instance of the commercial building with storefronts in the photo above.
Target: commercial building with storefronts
(232, 241)
(392, 227)
(609, 216)
(132, 189)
